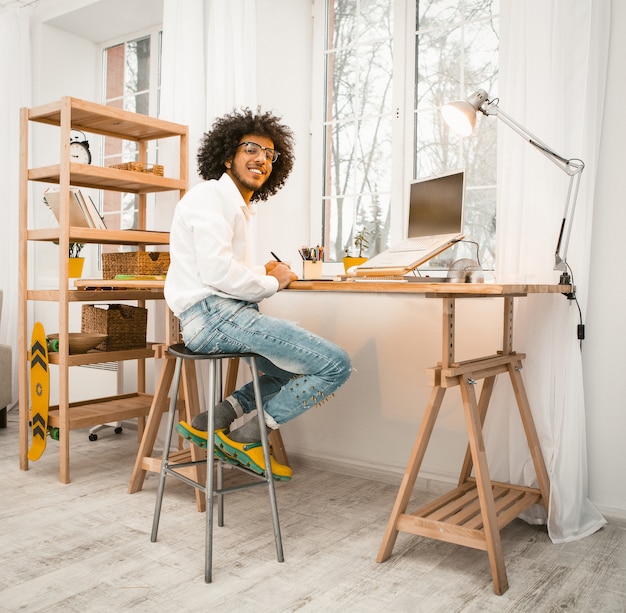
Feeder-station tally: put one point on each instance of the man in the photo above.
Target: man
(214, 288)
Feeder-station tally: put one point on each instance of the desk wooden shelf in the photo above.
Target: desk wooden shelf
(456, 517)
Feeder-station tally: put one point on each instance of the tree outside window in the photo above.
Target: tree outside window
(455, 49)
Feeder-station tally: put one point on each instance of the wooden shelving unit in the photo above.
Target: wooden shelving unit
(73, 114)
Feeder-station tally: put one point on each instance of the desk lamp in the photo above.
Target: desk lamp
(461, 117)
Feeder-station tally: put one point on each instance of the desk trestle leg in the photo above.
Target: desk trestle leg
(473, 513)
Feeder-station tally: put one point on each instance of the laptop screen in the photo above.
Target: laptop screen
(436, 205)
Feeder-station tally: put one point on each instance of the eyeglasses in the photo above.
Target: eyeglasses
(254, 148)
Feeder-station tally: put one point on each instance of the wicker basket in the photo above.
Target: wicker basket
(155, 169)
(135, 263)
(124, 325)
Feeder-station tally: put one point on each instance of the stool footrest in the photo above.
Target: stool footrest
(172, 469)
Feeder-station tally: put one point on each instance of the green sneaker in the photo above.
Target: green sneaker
(199, 438)
(250, 455)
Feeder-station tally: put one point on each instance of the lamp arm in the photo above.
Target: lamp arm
(569, 166)
(562, 244)
(572, 167)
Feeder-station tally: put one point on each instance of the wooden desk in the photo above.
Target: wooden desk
(473, 513)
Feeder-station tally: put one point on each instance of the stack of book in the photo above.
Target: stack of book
(83, 211)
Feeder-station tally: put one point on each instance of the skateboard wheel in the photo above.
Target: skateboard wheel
(118, 430)
(93, 437)
(54, 434)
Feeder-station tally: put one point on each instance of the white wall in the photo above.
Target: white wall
(284, 86)
(371, 423)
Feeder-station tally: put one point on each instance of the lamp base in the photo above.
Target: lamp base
(565, 279)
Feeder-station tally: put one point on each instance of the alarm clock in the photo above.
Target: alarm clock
(79, 148)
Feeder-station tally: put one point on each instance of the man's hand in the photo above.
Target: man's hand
(283, 274)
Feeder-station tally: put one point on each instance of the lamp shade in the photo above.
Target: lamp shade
(461, 115)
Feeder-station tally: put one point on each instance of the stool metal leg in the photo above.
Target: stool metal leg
(166, 451)
(210, 487)
(266, 455)
(220, 465)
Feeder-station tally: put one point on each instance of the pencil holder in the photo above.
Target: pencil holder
(311, 270)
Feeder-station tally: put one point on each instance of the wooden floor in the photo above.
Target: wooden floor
(86, 547)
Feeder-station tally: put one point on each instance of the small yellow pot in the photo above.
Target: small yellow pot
(76, 267)
(349, 262)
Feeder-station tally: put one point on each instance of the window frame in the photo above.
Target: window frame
(401, 101)
(155, 34)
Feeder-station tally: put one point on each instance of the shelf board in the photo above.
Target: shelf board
(102, 410)
(102, 237)
(107, 120)
(456, 517)
(111, 179)
(96, 295)
(99, 357)
(128, 284)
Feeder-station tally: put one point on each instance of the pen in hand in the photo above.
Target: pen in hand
(279, 260)
(284, 277)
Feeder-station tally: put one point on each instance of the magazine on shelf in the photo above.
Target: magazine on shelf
(91, 208)
(83, 211)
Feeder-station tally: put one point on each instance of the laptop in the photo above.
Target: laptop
(435, 223)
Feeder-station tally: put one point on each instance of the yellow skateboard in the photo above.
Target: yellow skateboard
(39, 391)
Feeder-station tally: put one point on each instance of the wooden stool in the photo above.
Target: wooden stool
(209, 489)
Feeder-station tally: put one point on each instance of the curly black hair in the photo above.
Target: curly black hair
(220, 144)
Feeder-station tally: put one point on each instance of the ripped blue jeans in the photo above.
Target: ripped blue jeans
(299, 369)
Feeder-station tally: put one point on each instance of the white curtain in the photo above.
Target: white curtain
(209, 63)
(15, 76)
(553, 63)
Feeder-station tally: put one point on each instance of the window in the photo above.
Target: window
(389, 67)
(131, 82)
(358, 124)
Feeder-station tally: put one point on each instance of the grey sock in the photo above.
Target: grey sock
(224, 416)
(248, 433)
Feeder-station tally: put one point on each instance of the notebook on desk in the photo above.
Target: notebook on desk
(435, 223)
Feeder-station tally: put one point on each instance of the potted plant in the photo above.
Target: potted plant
(76, 263)
(360, 242)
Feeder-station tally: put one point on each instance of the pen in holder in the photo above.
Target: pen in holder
(311, 262)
